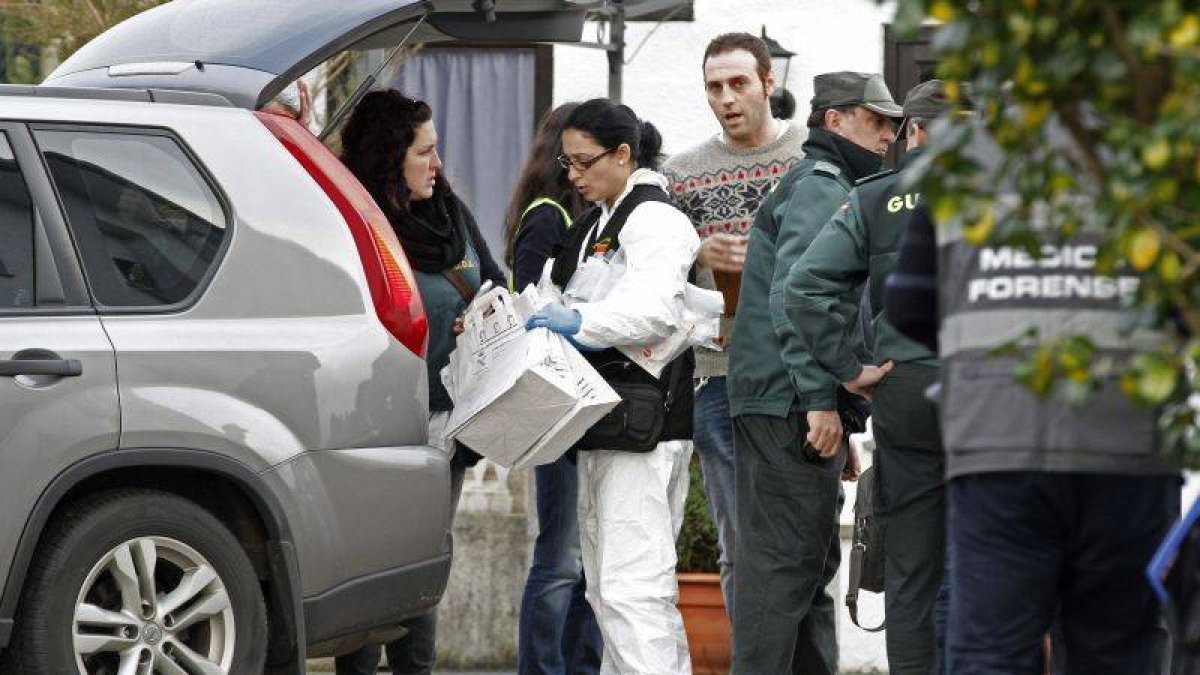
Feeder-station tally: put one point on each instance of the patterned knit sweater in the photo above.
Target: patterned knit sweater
(720, 188)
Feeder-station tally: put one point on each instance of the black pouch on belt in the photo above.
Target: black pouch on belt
(638, 422)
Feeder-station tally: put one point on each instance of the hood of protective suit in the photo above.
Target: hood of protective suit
(638, 177)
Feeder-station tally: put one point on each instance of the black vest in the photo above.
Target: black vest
(676, 379)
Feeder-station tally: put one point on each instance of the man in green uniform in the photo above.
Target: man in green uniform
(860, 244)
(790, 450)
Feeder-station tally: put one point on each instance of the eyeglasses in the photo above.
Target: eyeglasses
(580, 165)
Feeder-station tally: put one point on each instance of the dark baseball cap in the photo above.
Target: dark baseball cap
(927, 100)
(849, 88)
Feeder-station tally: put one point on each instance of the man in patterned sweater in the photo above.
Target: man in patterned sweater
(719, 184)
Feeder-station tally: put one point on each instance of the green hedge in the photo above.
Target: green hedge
(696, 546)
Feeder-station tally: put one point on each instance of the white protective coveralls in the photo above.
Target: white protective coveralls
(631, 504)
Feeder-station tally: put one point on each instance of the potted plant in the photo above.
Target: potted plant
(700, 600)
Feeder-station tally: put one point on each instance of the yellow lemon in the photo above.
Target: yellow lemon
(1143, 249)
(943, 10)
(1186, 33)
(979, 232)
(1156, 155)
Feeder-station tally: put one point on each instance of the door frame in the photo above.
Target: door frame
(56, 261)
(899, 52)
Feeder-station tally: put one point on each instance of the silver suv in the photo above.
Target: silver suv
(212, 390)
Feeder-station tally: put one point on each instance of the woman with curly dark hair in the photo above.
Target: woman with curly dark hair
(390, 144)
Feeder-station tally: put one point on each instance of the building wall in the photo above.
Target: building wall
(663, 83)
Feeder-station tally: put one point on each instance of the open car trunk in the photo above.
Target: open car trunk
(247, 51)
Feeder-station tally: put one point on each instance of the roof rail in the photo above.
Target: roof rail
(96, 94)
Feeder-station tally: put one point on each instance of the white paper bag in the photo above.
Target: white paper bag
(511, 385)
(546, 290)
(596, 399)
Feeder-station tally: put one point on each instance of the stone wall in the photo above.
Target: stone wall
(493, 542)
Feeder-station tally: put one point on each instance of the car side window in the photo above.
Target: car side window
(147, 223)
(16, 233)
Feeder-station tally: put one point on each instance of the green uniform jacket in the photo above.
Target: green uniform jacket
(859, 243)
(771, 371)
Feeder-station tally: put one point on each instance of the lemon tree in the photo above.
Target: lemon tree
(1094, 105)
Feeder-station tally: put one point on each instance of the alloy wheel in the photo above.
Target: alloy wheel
(153, 605)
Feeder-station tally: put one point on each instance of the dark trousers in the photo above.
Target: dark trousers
(557, 633)
(788, 550)
(1025, 544)
(941, 615)
(416, 652)
(911, 468)
(413, 654)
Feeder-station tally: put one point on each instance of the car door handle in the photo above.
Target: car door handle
(59, 367)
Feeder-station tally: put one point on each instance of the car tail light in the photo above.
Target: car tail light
(393, 287)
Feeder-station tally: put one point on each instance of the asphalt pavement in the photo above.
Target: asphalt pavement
(325, 667)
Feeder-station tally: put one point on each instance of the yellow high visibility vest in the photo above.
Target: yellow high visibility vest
(540, 201)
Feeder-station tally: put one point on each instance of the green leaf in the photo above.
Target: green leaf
(945, 208)
(1037, 373)
(1076, 353)
(1170, 269)
(1108, 66)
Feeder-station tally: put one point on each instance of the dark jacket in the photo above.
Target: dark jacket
(541, 228)
(910, 296)
(858, 243)
(443, 303)
(771, 371)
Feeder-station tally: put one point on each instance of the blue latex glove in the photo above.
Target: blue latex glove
(583, 347)
(557, 318)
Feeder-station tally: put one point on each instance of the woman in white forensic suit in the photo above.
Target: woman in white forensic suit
(623, 267)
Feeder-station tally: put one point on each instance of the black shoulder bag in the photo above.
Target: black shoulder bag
(866, 552)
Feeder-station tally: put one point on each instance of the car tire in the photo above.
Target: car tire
(103, 559)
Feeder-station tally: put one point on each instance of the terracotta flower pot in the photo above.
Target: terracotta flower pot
(706, 623)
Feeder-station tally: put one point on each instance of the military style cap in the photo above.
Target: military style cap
(848, 88)
(927, 100)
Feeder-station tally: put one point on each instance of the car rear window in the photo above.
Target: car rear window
(16, 233)
(147, 223)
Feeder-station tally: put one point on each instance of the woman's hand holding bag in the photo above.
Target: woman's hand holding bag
(557, 318)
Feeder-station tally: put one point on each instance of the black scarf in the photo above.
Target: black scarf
(857, 160)
(431, 232)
